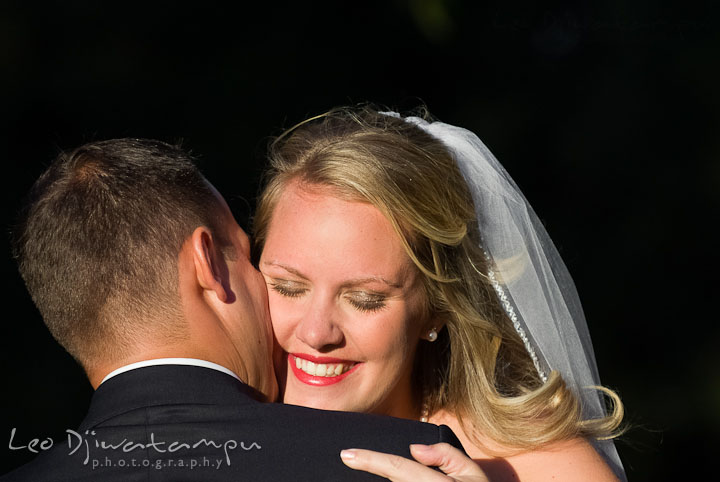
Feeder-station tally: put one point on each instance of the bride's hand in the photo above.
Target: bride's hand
(455, 465)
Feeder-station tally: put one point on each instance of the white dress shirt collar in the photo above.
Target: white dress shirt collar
(169, 361)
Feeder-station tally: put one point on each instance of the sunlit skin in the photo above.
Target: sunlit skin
(342, 293)
(248, 327)
(342, 289)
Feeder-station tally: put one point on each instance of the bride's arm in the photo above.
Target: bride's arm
(569, 460)
(456, 465)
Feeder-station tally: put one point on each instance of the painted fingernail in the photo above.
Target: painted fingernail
(347, 454)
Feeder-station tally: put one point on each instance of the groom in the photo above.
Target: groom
(142, 274)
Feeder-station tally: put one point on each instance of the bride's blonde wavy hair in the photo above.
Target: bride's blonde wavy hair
(478, 369)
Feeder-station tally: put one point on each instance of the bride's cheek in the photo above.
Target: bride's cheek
(279, 316)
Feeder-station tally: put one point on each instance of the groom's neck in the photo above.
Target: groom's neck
(96, 374)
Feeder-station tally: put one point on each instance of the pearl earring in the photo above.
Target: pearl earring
(432, 335)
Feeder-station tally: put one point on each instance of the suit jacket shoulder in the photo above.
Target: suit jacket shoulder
(191, 423)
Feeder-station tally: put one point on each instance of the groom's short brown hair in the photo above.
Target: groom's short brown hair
(98, 240)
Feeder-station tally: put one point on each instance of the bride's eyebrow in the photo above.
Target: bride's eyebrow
(370, 279)
(347, 284)
(289, 269)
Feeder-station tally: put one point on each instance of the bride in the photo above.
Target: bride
(408, 276)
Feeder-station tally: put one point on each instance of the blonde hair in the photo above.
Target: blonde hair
(479, 368)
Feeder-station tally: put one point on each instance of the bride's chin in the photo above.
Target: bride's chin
(306, 403)
(312, 402)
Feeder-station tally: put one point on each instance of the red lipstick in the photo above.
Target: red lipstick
(315, 380)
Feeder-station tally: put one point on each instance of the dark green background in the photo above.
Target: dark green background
(607, 116)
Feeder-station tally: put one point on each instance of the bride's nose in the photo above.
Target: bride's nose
(319, 329)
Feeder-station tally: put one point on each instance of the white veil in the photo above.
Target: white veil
(529, 276)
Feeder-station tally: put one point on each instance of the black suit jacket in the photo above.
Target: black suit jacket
(178, 423)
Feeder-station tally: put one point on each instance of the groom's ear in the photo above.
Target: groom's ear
(210, 266)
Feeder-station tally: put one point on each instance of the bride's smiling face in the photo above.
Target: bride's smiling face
(346, 304)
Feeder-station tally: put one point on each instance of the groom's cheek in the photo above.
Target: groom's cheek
(279, 361)
(280, 364)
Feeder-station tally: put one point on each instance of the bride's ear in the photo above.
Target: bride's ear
(210, 267)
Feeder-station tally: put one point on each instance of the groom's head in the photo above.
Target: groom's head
(126, 249)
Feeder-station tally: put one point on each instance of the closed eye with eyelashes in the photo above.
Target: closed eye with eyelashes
(361, 300)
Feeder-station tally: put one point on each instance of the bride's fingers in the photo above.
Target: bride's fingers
(448, 459)
(393, 467)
